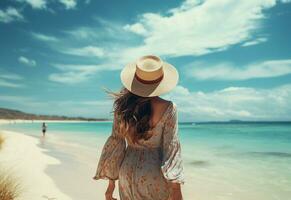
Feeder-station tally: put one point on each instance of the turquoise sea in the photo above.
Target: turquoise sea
(222, 161)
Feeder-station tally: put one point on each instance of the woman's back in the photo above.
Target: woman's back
(159, 108)
(160, 111)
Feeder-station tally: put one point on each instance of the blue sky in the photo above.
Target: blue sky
(233, 57)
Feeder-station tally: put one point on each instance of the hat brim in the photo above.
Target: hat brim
(169, 81)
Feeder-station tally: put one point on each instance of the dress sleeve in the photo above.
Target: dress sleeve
(112, 155)
(172, 166)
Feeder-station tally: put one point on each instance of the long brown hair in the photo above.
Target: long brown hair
(133, 113)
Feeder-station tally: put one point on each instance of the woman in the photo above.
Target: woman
(143, 151)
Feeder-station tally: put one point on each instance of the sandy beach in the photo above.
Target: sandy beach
(29, 160)
(21, 157)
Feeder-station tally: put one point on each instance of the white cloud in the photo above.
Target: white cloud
(136, 28)
(88, 51)
(10, 76)
(10, 80)
(255, 41)
(69, 4)
(5, 83)
(233, 103)
(26, 61)
(10, 15)
(227, 71)
(199, 27)
(71, 77)
(42, 4)
(36, 4)
(82, 33)
(102, 30)
(43, 37)
(73, 74)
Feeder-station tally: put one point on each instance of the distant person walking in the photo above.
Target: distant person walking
(44, 127)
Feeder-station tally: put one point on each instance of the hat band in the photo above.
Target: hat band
(149, 81)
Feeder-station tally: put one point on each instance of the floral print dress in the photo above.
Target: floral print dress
(144, 169)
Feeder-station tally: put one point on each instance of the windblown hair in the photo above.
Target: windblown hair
(133, 114)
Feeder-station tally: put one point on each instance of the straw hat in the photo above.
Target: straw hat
(149, 76)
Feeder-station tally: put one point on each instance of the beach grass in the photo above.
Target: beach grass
(9, 187)
(2, 140)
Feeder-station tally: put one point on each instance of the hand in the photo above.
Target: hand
(176, 196)
(110, 190)
(176, 193)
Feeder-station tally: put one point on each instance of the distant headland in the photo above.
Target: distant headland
(10, 114)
